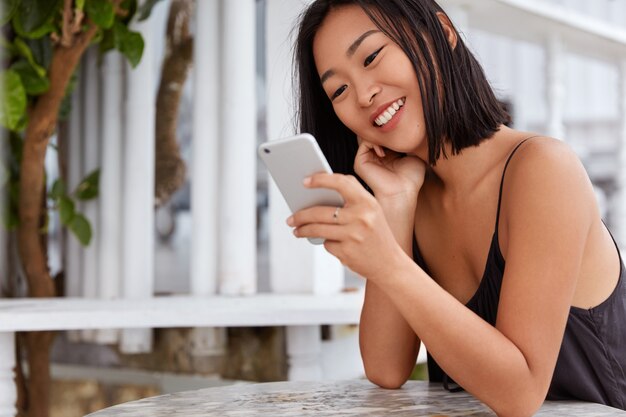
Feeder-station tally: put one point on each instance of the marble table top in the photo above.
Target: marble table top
(332, 398)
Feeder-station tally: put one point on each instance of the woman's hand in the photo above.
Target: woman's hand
(388, 173)
(357, 234)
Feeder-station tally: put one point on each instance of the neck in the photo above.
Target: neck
(462, 173)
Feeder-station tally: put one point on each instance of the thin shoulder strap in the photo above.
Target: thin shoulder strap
(616, 245)
(502, 180)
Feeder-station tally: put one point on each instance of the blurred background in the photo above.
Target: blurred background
(185, 208)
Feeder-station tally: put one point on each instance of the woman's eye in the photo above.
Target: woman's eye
(372, 57)
(338, 92)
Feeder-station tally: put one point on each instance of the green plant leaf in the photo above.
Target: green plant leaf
(88, 187)
(97, 38)
(146, 9)
(66, 210)
(36, 34)
(33, 14)
(8, 50)
(16, 145)
(33, 83)
(107, 42)
(81, 228)
(24, 50)
(58, 189)
(9, 217)
(129, 43)
(14, 192)
(131, 7)
(22, 123)
(101, 12)
(5, 55)
(41, 50)
(7, 10)
(80, 4)
(13, 96)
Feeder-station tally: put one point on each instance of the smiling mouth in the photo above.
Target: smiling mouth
(389, 112)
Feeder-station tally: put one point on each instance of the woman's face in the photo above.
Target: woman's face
(370, 81)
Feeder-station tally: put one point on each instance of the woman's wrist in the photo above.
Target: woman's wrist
(396, 263)
(398, 204)
(399, 211)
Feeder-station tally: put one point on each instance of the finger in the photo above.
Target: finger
(317, 214)
(363, 149)
(346, 185)
(319, 230)
(367, 146)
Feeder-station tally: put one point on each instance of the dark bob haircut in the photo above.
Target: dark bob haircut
(459, 104)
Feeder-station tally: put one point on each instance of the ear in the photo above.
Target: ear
(448, 30)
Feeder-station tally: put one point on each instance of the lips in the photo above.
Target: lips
(385, 113)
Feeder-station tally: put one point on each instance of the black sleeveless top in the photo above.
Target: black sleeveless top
(591, 365)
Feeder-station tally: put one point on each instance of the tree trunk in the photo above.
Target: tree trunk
(38, 352)
(41, 125)
(169, 166)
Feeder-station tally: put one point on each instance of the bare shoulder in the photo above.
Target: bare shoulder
(546, 153)
(548, 168)
(546, 188)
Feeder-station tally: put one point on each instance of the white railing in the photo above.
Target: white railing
(301, 311)
(127, 302)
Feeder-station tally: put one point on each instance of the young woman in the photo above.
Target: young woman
(482, 242)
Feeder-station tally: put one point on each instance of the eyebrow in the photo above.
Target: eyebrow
(350, 52)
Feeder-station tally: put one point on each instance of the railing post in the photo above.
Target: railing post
(205, 171)
(90, 273)
(110, 253)
(138, 194)
(8, 391)
(238, 126)
(73, 249)
(304, 353)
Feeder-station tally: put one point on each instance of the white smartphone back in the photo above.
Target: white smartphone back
(289, 161)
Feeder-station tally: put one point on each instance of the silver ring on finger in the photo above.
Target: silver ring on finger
(336, 215)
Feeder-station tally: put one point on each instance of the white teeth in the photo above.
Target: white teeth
(389, 112)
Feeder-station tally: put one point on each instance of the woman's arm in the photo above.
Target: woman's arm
(548, 208)
(389, 346)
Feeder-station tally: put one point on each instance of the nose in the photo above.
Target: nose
(366, 93)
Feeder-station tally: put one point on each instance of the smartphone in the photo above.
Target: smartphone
(289, 161)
